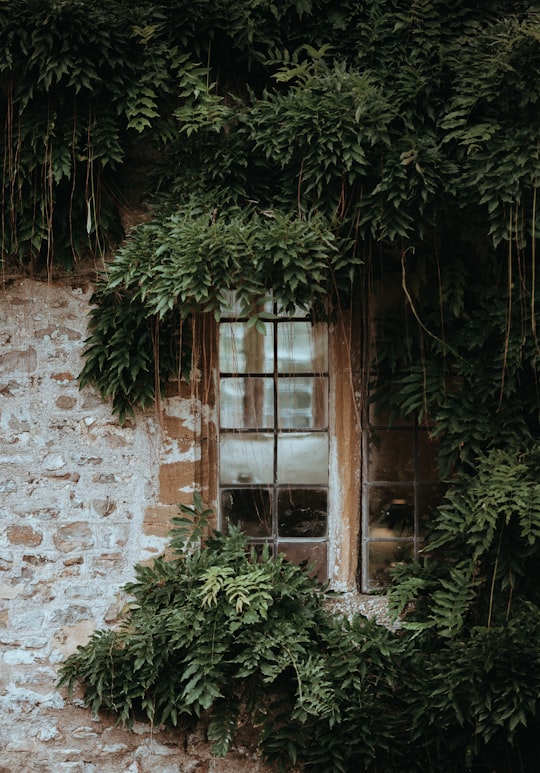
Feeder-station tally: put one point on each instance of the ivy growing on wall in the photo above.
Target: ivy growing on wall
(185, 265)
(79, 84)
(319, 151)
(385, 152)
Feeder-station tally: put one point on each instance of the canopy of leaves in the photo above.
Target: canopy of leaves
(310, 140)
(383, 117)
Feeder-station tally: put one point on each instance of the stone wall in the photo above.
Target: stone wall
(82, 499)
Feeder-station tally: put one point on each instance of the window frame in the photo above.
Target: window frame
(345, 376)
(275, 488)
(399, 486)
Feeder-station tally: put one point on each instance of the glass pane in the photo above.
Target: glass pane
(428, 499)
(250, 509)
(427, 456)
(246, 402)
(246, 458)
(382, 556)
(302, 512)
(302, 347)
(303, 402)
(307, 554)
(303, 458)
(391, 511)
(391, 455)
(243, 349)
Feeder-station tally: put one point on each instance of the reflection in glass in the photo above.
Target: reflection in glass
(308, 554)
(391, 455)
(383, 556)
(249, 509)
(303, 402)
(302, 458)
(429, 497)
(391, 511)
(246, 458)
(243, 349)
(302, 348)
(302, 512)
(273, 443)
(246, 402)
(427, 457)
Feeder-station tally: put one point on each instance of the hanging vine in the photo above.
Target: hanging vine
(319, 151)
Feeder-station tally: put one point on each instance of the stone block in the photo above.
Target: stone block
(8, 592)
(178, 432)
(157, 519)
(54, 332)
(24, 361)
(73, 536)
(69, 638)
(104, 507)
(65, 403)
(64, 377)
(54, 462)
(24, 535)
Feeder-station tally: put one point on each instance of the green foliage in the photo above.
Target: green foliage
(185, 264)
(131, 354)
(383, 116)
(192, 257)
(222, 634)
(482, 553)
(76, 80)
(467, 363)
(198, 625)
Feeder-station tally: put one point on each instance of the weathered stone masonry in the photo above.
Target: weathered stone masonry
(82, 499)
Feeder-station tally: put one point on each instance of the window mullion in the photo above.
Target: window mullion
(276, 429)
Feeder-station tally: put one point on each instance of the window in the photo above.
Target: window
(400, 488)
(296, 468)
(273, 434)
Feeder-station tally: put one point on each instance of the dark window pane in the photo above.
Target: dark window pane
(250, 509)
(428, 499)
(302, 512)
(383, 417)
(246, 402)
(382, 556)
(391, 455)
(427, 457)
(307, 554)
(391, 511)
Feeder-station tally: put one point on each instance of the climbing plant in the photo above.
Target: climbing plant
(186, 264)
(226, 636)
(327, 154)
(384, 155)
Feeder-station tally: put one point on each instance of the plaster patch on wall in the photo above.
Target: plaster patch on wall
(75, 486)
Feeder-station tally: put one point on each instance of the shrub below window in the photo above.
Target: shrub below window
(222, 634)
